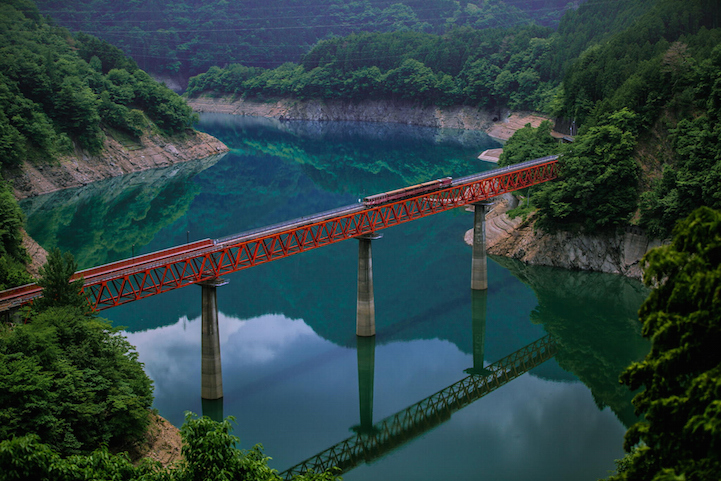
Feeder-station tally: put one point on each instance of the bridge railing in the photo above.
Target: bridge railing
(150, 274)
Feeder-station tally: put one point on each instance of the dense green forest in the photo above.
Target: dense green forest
(58, 90)
(188, 37)
(486, 68)
(518, 66)
(648, 145)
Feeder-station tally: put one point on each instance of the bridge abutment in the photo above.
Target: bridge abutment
(365, 307)
(211, 383)
(479, 267)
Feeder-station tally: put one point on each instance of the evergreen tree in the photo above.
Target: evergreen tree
(12, 253)
(58, 289)
(680, 437)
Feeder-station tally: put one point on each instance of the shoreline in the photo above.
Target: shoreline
(453, 117)
(81, 168)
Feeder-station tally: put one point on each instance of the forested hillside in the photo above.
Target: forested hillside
(188, 37)
(57, 89)
(59, 92)
(650, 94)
(517, 66)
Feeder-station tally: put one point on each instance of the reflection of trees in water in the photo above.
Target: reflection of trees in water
(347, 156)
(594, 319)
(108, 220)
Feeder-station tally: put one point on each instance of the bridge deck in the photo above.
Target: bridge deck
(143, 276)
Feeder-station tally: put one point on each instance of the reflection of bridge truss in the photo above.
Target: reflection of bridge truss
(405, 425)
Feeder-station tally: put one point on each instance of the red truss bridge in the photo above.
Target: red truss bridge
(131, 279)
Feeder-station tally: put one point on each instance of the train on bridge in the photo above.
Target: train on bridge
(438, 184)
(174, 267)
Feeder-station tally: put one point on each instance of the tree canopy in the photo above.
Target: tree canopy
(57, 90)
(680, 437)
(528, 143)
(187, 38)
(208, 447)
(597, 188)
(493, 68)
(13, 256)
(68, 376)
(73, 380)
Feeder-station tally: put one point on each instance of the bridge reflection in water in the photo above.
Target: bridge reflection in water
(372, 442)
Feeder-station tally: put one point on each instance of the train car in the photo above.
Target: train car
(406, 192)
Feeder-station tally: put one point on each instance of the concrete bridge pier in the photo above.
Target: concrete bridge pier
(479, 268)
(211, 383)
(479, 303)
(365, 307)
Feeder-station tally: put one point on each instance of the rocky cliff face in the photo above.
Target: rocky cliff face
(618, 253)
(457, 117)
(116, 159)
(398, 112)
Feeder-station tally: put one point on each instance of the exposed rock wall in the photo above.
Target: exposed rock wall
(453, 117)
(618, 253)
(82, 168)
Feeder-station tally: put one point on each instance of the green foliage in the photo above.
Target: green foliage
(26, 457)
(492, 68)
(523, 210)
(190, 37)
(619, 67)
(597, 186)
(693, 176)
(56, 90)
(208, 448)
(681, 435)
(58, 289)
(528, 143)
(209, 453)
(73, 380)
(11, 223)
(12, 253)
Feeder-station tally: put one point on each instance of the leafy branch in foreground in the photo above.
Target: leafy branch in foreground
(208, 447)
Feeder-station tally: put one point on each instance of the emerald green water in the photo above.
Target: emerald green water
(290, 366)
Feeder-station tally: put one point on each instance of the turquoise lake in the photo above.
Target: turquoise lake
(289, 351)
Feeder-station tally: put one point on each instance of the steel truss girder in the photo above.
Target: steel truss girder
(125, 281)
(426, 414)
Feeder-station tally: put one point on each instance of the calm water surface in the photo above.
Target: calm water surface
(291, 361)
